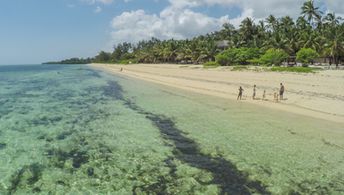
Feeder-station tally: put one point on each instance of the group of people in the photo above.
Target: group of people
(277, 96)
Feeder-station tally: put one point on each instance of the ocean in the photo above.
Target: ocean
(71, 129)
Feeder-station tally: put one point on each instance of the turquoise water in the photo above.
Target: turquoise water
(75, 130)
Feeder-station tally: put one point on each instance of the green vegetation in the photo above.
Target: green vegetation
(72, 61)
(239, 68)
(294, 69)
(211, 64)
(273, 57)
(278, 40)
(131, 61)
(306, 56)
(222, 59)
(275, 69)
(103, 57)
(237, 56)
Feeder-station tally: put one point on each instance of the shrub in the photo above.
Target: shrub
(294, 69)
(222, 59)
(239, 68)
(235, 56)
(129, 61)
(128, 56)
(255, 61)
(244, 55)
(306, 56)
(211, 64)
(273, 57)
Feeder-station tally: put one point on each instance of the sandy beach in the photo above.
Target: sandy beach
(319, 95)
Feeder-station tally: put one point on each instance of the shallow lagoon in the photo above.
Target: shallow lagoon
(72, 129)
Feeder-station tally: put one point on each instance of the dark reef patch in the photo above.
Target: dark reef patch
(93, 73)
(160, 187)
(162, 183)
(226, 175)
(64, 135)
(104, 152)
(4, 110)
(90, 171)
(114, 90)
(59, 157)
(2, 146)
(62, 183)
(63, 95)
(311, 187)
(26, 176)
(45, 120)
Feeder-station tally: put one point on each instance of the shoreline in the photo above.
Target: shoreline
(318, 95)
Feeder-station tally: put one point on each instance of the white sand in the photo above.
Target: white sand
(319, 95)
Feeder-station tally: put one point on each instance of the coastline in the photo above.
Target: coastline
(319, 95)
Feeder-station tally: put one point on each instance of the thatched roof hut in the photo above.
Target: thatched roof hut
(224, 44)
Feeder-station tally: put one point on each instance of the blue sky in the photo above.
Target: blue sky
(35, 31)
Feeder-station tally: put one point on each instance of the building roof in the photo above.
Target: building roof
(222, 44)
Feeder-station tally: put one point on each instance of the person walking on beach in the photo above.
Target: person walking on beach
(281, 92)
(254, 92)
(264, 94)
(240, 93)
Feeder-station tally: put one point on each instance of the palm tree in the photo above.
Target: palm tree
(226, 32)
(310, 12)
(103, 57)
(290, 35)
(184, 53)
(334, 35)
(325, 35)
(195, 51)
(272, 22)
(247, 31)
(332, 20)
(261, 35)
(208, 50)
(287, 22)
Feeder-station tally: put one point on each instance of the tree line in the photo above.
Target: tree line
(271, 41)
(73, 61)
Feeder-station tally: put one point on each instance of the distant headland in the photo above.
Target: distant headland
(72, 61)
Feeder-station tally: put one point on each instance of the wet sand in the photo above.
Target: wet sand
(319, 95)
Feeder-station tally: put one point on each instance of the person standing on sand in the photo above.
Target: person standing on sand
(240, 93)
(264, 94)
(281, 92)
(275, 97)
(254, 92)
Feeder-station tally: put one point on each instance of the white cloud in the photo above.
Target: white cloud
(195, 3)
(263, 8)
(91, 2)
(180, 21)
(245, 14)
(105, 1)
(170, 23)
(336, 6)
(278, 8)
(98, 9)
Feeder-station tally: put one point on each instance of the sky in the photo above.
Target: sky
(35, 31)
